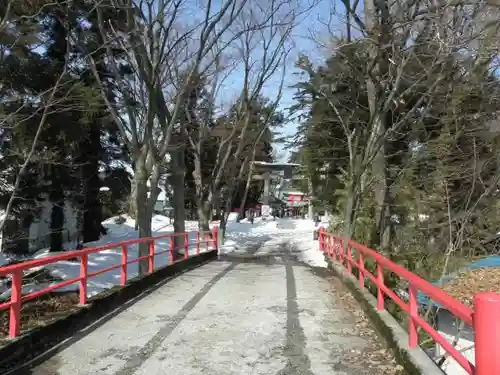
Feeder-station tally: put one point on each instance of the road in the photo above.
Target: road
(269, 316)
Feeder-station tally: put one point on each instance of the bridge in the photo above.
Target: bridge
(255, 312)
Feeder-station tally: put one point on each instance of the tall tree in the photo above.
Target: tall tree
(151, 98)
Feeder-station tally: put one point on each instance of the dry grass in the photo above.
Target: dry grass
(376, 357)
(469, 283)
(40, 312)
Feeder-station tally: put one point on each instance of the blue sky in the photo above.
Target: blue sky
(311, 28)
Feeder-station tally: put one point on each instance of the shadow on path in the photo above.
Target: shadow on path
(48, 362)
(298, 363)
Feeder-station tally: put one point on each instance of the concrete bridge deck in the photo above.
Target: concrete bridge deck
(259, 315)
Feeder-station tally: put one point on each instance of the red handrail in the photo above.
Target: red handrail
(486, 305)
(16, 270)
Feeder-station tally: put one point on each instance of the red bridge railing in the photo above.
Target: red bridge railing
(484, 318)
(16, 270)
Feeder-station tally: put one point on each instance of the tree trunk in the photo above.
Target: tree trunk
(56, 197)
(203, 202)
(203, 210)
(177, 178)
(223, 227)
(92, 216)
(245, 193)
(132, 209)
(310, 208)
(216, 205)
(381, 232)
(377, 27)
(354, 192)
(142, 210)
(349, 216)
(382, 209)
(229, 194)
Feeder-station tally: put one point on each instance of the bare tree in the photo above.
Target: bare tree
(395, 35)
(423, 63)
(165, 47)
(260, 55)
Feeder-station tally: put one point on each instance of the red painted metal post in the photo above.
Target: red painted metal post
(334, 247)
(361, 270)
(349, 259)
(83, 278)
(215, 236)
(340, 250)
(151, 258)
(413, 312)
(321, 239)
(380, 282)
(15, 307)
(186, 246)
(487, 333)
(172, 246)
(123, 271)
(197, 243)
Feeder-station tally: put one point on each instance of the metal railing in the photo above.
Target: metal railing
(484, 318)
(16, 271)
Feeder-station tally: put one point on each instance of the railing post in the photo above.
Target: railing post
(123, 271)
(172, 246)
(198, 243)
(83, 278)
(151, 258)
(340, 249)
(321, 239)
(334, 247)
(215, 236)
(487, 333)
(361, 270)
(186, 246)
(15, 306)
(349, 259)
(413, 312)
(380, 293)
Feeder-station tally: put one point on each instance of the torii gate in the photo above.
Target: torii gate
(266, 171)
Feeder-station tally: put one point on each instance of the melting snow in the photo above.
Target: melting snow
(239, 236)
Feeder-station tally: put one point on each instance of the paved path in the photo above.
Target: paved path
(254, 316)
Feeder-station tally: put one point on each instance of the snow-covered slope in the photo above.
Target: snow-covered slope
(118, 230)
(239, 237)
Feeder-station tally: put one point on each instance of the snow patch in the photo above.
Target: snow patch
(239, 237)
(119, 229)
(270, 234)
(4, 259)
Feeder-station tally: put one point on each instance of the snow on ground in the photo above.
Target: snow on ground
(310, 253)
(117, 232)
(239, 237)
(271, 233)
(4, 259)
(299, 234)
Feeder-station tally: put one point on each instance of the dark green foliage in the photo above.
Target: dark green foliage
(442, 164)
(48, 75)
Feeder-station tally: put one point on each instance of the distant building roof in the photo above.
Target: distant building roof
(480, 276)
